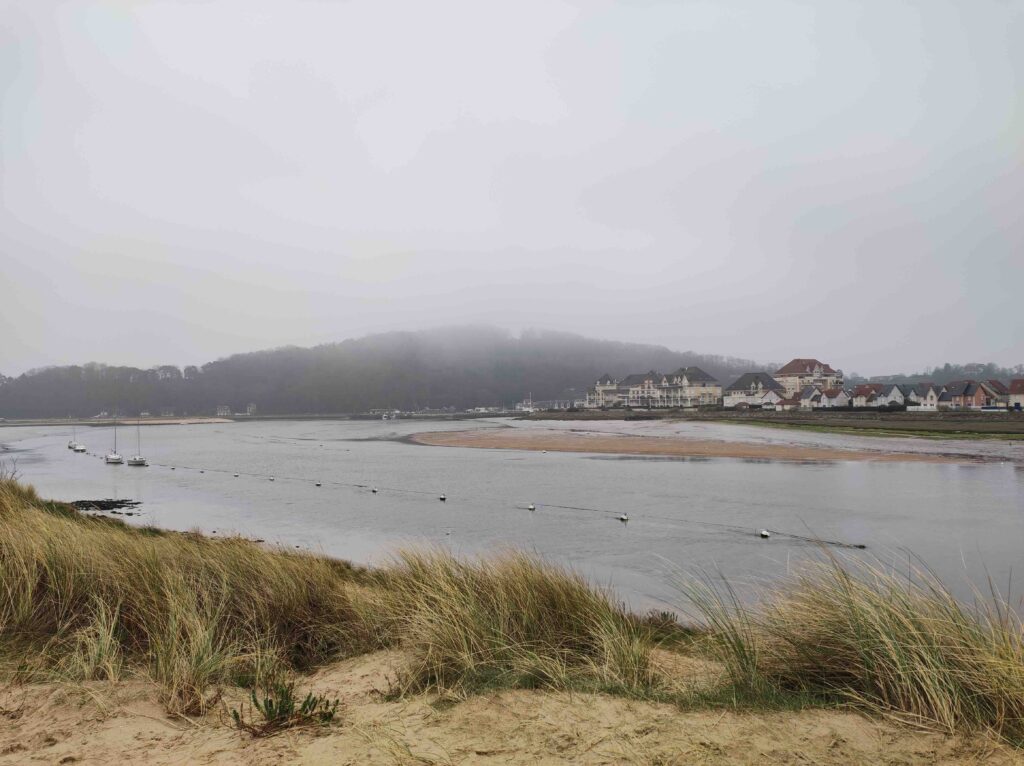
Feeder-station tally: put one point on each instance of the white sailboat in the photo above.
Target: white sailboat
(114, 458)
(74, 438)
(137, 458)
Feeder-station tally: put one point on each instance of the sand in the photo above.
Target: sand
(107, 723)
(619, 444)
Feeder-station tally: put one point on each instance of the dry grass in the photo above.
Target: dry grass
(91, 598)
(856, 634)
(511, 620)
(88, 597)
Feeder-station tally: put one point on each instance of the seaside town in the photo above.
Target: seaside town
(802, 384)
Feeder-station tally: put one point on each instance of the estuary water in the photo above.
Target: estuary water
(690, 515)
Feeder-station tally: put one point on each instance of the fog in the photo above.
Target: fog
(182, 181)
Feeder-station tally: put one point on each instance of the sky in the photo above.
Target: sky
(180, 181)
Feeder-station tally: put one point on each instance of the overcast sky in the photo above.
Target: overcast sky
(182, 181)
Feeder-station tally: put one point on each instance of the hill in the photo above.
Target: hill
(453, 367)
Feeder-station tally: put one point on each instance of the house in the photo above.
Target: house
(926, 396)
(223, 411)
(1016, 394)
(605, 393)
(785, 405)
(750, 387)
(800, 373)
(642, 389)
(690, 387)
(997, 392)
(963, 395)
(835, 397)
(892, 394)
(810, 398)
(866, 394)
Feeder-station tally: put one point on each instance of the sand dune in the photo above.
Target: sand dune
(104, 723)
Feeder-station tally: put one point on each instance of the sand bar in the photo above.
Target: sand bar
(618, 444)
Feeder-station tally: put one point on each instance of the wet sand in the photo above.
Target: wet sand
(616, 444)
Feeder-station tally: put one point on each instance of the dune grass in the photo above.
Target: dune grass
(847, 632)
(93, 598)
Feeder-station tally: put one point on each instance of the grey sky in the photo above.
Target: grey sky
(181, 181)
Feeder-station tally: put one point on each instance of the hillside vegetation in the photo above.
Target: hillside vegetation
(455, 367)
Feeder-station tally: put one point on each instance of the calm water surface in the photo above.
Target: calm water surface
(966, 521)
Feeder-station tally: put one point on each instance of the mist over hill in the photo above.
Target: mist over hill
(452, 367)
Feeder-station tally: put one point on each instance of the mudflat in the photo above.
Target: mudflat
(623, 444)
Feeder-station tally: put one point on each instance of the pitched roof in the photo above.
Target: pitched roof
(693, 374)
(638, 378)
(809, 391)
(832, 393)
(998, 386)
(1017, 386)
(866, 389)
(804, 367)
(750, 379)
(605, 380)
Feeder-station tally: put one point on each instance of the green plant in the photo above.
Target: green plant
(280, 710)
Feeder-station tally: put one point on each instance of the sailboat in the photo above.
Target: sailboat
(74, 444)
(137, 458)
(114, 458)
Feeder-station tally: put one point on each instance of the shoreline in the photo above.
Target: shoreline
(615, 444)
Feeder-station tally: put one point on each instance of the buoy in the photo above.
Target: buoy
(318, 484)
(442, 498)
(623, 517)
(172, 467)
(374, 490)
(531, 507)
(202, 472)
(236, 475)
(765, 533)
(544, 452)
(271, 478)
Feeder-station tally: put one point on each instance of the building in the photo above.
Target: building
(605, 393)
(835, 397)
(866, 394)
(749, 389)
(810, 398)
(223, 411)
(997, 392)
(1016, 394)
(800, 373)
(686, 387)
(963, 395)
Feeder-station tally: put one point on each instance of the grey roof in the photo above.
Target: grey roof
(605, 379)
(750, 379)
(693, 374)
(636, 379)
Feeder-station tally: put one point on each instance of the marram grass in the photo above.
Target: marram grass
(862, 635)
(89, 598)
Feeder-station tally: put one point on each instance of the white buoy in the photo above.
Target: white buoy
(172, 467)
(531, 507)
(271, 478)
(765, 533)
(318, 484)
(443, 498)
(374, 490)
(236, 475)
(623, 517)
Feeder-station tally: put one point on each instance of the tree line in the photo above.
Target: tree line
(457, 368)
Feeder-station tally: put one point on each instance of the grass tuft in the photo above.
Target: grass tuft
(850, 632)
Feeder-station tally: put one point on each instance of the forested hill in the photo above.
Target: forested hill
(460, 367)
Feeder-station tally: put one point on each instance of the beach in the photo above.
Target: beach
(539, 439)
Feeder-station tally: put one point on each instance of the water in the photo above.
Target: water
(966, 521)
